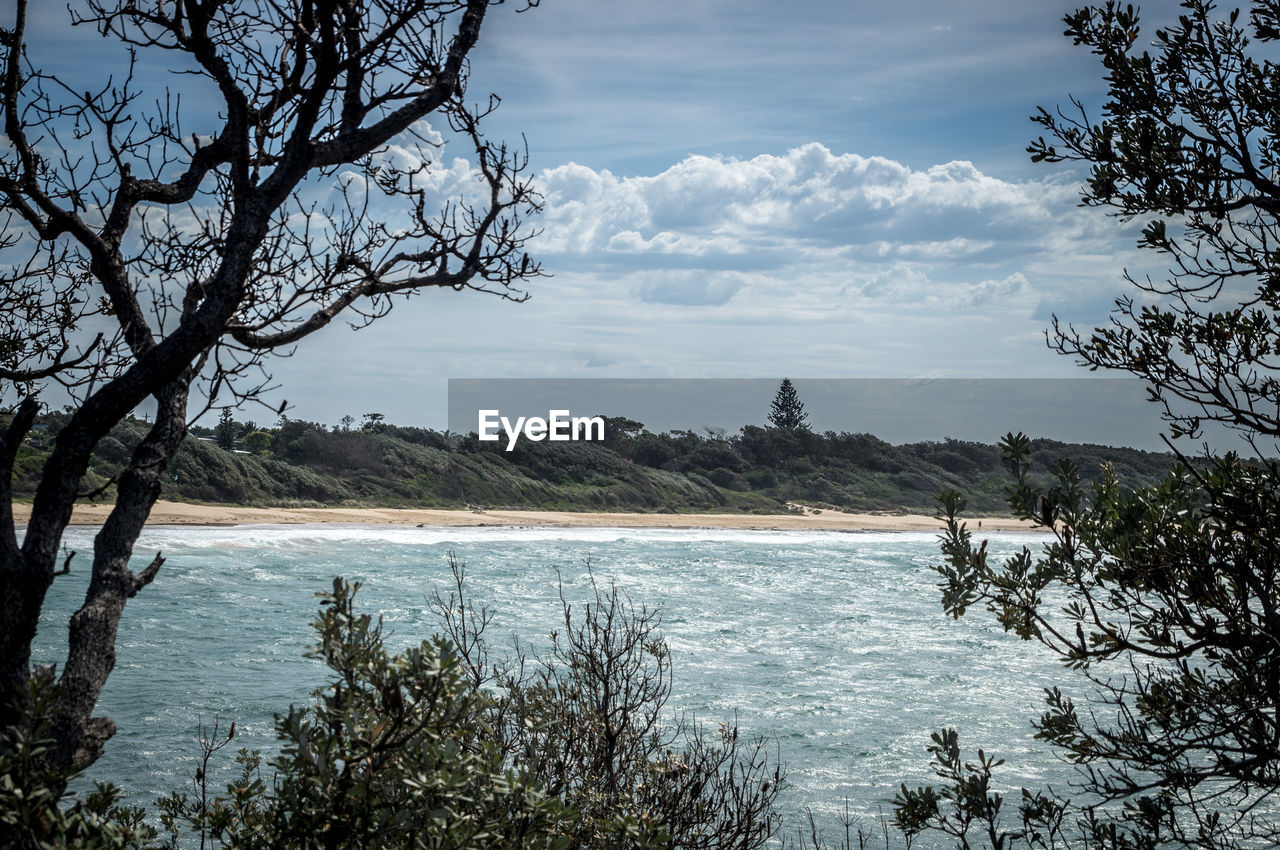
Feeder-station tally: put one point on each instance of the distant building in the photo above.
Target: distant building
(36, 436)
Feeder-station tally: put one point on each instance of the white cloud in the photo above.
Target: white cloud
(693, 289)
(898, 283)
(805, 208)
(992, 291)
(904, 283)
(815, 236)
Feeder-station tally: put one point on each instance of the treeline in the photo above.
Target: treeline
(759, 469)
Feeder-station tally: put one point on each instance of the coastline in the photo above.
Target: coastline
(182, 513)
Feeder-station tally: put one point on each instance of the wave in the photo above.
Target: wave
(240, 537)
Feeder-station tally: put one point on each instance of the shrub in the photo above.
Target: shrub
(586, 719)
(444, 745)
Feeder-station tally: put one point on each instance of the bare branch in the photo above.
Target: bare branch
(204, 252)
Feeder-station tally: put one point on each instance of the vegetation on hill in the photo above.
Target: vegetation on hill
(759, 469)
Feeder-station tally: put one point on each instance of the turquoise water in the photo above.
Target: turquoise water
(832, 644)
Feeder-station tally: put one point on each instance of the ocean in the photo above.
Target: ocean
(832, 645)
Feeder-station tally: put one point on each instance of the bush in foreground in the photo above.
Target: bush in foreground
(445, 745)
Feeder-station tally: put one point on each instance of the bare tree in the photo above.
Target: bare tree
(143, 258)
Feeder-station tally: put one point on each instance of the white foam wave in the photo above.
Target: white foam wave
(305, 535)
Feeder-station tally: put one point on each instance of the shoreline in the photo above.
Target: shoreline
(183, 513)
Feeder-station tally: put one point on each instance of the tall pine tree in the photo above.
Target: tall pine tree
(226, 431)
(787, 411)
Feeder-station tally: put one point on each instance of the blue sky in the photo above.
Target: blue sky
(751, 189)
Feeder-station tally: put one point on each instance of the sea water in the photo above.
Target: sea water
(831, 645)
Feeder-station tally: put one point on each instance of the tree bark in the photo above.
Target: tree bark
(91, 654)
(22, 585)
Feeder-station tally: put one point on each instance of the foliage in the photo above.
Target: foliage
(226, 431)
(393, 752)
(447, 745)
(787, 411)
(968, 809)
(30, 790)
(257, 442)
(585, 718)
(1163, 598)
(1189, 143)
(1178, 583)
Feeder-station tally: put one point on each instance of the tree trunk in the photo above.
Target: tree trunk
(79, 737)
(22, 584)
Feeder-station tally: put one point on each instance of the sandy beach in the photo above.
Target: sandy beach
(181, 513)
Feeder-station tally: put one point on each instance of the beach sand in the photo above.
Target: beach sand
(181, 513)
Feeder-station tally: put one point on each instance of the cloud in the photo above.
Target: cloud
(903, 283)
(992, 291)
(804, 208)
(688, 288)
(897, 283)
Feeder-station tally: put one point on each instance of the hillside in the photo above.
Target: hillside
(757, 470)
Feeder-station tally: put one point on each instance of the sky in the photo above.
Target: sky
(816, 189)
